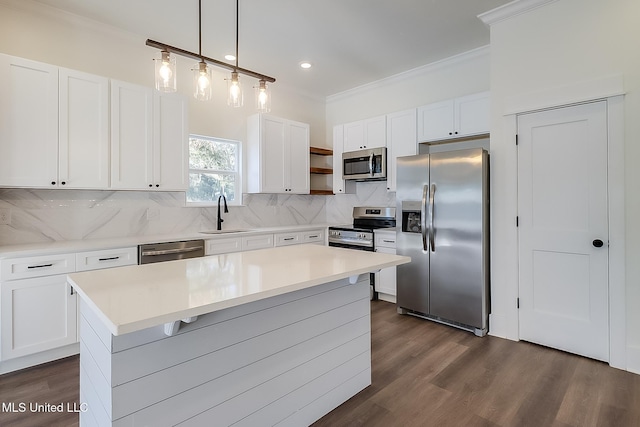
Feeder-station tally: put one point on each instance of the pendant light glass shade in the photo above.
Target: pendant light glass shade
(235, 98)
(165, 72)
(263, 97)
(202, 82)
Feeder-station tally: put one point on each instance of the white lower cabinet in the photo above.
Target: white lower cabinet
(313, 236)
(37, 314)
(261, 241)
(285, 239)
(108, 258)
(39, 309)
(222, 246)
(300, 237)
(385, 242)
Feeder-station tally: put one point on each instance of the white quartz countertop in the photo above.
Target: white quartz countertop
(54, 247)
(137, 297)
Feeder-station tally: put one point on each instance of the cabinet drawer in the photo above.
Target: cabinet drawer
(314, 236)
(257, 242)
(385, 239)
(95, 260)
(37, 266)
(223, 246)
(285, 239)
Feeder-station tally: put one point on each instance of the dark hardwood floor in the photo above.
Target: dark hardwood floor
(427, 374)
(424, 374)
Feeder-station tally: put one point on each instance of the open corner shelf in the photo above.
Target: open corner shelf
(321, 151)
(320, 170)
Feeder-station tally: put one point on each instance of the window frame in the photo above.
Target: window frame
(238, 173)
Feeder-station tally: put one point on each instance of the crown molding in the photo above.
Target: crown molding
(414, 72)
(509, 10)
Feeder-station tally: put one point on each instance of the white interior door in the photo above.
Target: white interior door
(562, 210)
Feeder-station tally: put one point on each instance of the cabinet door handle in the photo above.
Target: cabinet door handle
(288, 238)
(71, 289)
(109, 259)
(314, 237)
(40, 266)
(388, 241)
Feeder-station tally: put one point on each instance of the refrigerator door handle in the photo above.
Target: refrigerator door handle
(432, 242)
(423, 216)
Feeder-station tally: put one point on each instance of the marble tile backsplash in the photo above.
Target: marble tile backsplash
(58, 215)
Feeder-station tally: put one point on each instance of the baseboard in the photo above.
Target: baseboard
(387, 297)
(18, 363)
(498, 325)
(633, 359)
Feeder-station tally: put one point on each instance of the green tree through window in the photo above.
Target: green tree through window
(213, 170)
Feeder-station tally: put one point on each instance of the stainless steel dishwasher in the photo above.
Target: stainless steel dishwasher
(169, 251)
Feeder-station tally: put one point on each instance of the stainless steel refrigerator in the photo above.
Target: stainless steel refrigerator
(443, 225)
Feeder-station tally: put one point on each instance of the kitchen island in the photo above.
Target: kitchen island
(273, 336)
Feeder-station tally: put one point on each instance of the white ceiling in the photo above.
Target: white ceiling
(349, 42)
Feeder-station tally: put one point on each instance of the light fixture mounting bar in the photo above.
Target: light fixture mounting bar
(186, 53)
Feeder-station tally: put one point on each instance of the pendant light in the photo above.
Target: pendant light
(165, 68)
(165, 72)
(263, 97)
(235, 98)
(201, 74)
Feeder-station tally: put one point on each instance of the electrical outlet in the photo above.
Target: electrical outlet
(5, 216)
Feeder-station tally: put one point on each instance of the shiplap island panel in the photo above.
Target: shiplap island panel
(282, 336)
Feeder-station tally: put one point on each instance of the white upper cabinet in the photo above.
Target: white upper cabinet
(84, 130)
(340, 186)
(363, 134)
(170, 142)
(401, 141)
(149, 139)
(28, 123)
(53, 126)
(131, 136)
(454, 118)
(298, 153)
(277, 155)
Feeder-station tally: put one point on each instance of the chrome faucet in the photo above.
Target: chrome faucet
(226, 210)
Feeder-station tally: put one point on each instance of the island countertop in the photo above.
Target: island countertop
(137, 297)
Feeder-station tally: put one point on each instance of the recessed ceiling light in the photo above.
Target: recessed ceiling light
(305, 65)
(230, 57)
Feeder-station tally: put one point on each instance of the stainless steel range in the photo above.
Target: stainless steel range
(361, 234)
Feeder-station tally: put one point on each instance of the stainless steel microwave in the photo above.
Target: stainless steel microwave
(365, 165)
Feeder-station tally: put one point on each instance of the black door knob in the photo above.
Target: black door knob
(598, 243)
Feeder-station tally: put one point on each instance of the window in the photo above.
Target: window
(214, 169)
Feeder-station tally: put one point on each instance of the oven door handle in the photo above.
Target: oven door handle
(423, 216)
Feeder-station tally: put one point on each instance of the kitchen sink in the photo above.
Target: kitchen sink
(234, 230)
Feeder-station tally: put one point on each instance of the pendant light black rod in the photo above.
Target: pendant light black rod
(199, 27)
(221, 64)
(237, 19)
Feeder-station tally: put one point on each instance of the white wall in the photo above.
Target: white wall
(559, 44)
